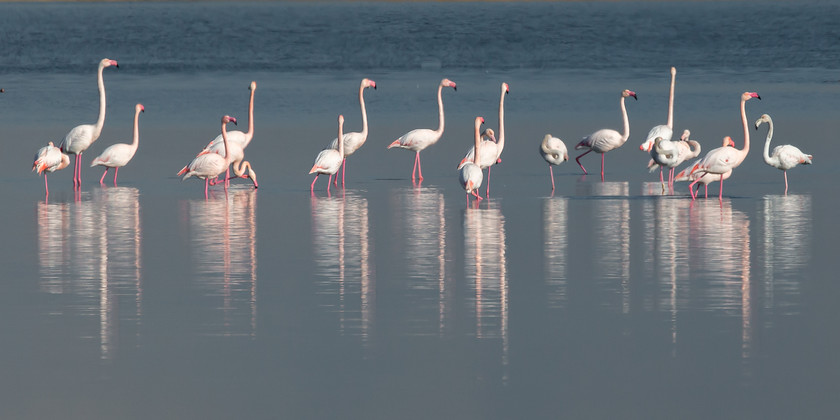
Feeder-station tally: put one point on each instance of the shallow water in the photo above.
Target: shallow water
(390, 300)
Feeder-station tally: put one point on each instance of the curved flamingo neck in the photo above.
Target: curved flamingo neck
(694, 147)
(440, 110)
(671, 100)
(767, 157)
(746, 148)
(544, 144)
(364, 112)
(250, 134)
(136, 140)
(100, 122)
(501, 139)
(626, 134)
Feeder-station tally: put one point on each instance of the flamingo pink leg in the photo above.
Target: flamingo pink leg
(786, 184)
(691, 189)
(116, 171)
(488, 181)
(46, 185)
(103, 176)
(343, 168)
(602, 166)
(418, 166)
(577, 159)
(206, 184)
(312, 186)
(551, 171)
(329, 180)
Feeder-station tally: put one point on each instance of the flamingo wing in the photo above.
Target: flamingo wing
(658, 131)
(417, 139)
(352, 142)
(206, 166)
(78, 139)
(328, 161)
(115, 155)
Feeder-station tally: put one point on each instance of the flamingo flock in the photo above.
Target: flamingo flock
(228, 148)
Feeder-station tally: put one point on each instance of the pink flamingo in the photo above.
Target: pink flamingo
(471, 175)
(604, 140)
(724, 159)
(783, 157)
(118, 155)
(354, 140)
(238, 141)
(329, 160)
(210, 165)
(553, 150)
(82, 136)
(492, 150)
(421, 138)
(704, 178)
(671, 154)
(49, 159)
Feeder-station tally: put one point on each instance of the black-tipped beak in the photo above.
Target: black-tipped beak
(758, 96)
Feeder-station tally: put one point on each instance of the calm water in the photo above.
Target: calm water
(388, 300)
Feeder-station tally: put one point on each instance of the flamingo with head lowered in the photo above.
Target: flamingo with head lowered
(604, 140)
(553, 150)
(354, 140)
(210, 165)
(470, 175)
(491, 150)
(671, 154)
(118, 155)
(421, 138)
(49, 159)
(82, 136)
(784, 157)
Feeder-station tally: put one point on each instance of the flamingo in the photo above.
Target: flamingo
(672, 154)
(666, 131)
(604, 140)
(49, 159)
(211, 165)
(329, 160)
(553, 150)
(471, 175)
(783, 157)
(354, 140)
(704, 178)
(421, 138)
(492, 150)
(238, 141)
(724, 159)
(82, 136)
(118, 155)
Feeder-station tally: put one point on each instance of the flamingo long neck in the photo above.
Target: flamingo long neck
(340, 137)
(694, 147)
(240, 167)
(100, 122)
(136, 140)
(746, 148)
(501, 140)
(671, 100)
(364, 112)
(477, 142)
(626, 134)
(440, 110)
(767, 157)
(544, 145)
(225, 140)
(250, 134)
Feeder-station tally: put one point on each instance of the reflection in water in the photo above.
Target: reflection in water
(787, 247)
(611, 225)
(96, 243)
(719, 241)
(486, 266)
(224, 247)
(341, 238)
(555, 212)
(420, 214)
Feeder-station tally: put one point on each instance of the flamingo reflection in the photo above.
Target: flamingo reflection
(97, 244)
(224, 247)
(555, 212)
(342, 250)
(787, 233)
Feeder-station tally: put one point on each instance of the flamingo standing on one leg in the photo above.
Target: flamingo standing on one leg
(724, 159)
(783, 157)
(665, 131)
(49, 159)
(702, 178)
(118, 155)
(492, 152)
(354, 140)
(470, 175)
(329, 160)
(211, 165)
(553, 150)
(421, 138)
(604, 140)
(82, 136)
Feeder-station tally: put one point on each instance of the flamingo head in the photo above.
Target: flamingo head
(490, 134)
(746, 96)
(627, 93)
(764, 118)
(673, 71)
(646, 146)
(107, 62)
(139, 108)
(341, 119)
(448, 83)
(253, 86)
(366, 83)
(685, 135)
(479, 121)
(727, 141)
(228, 119)
(505, 88)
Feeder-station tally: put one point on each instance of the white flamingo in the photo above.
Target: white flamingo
(354, 140)
(329, 161)
(703, 178)
(666, 131)
(238, 141)
(210, 165)
(724, 159)
(49, 159)
(784, 157)
(604, 140)
(671, 154)
(491, 151)
(118, 155)
(470, 175)
(82, 136)
(553, 150)
(421, 138)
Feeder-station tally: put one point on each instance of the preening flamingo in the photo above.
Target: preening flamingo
(238, 141)
(49, 159)
(354, 140)
(491, 151)
(211, 165)
(671, 154)
(702, 178)
(553, 150)
(604, 140)
(82, 136)
(118, 155)
(724, 159)
(329, 160)
(470, 175)
(421, 138)
(783, 157)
